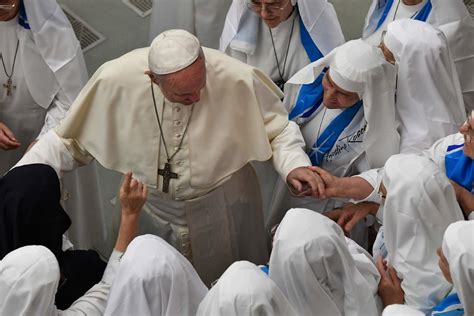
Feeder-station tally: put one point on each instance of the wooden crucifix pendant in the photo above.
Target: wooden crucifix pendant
(9, 86)
(167, 175)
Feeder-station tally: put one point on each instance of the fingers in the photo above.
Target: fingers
(9, 133)
(392, 273)
(380, 267)
(296, 185)
(334, 214)
(126, 183)
(6, 142)
(354, 220)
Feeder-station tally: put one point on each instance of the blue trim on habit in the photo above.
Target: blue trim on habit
(22, 18)
(310, 96)
(421, 16)
(459, 167)
(329, 137)
(450, 301)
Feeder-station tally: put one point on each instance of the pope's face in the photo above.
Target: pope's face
(8, 9)
(185, 86)
(335, 97)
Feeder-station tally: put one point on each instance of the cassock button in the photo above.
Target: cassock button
(177, 123)
(177, 109)
(178, 135)
(176, 148)
(180, 163)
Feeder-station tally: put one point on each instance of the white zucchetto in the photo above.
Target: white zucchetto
(172, 51)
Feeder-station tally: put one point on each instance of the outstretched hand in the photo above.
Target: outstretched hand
(133, 195)
(302, 181)
(390, 286)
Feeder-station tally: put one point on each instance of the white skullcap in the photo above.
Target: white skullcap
(172, 51)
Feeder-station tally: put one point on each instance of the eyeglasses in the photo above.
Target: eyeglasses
(272, 8)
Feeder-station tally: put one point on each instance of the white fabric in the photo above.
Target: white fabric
(263, 56)
(458, 248)
(29, 278)
(401, 310)
(429, 99)
(172, 51)
(319, 18)
(454, 20)
(155, 279)
(203, 18)
(244, 290)
(312, 265)
(419, 206)
(361, 68)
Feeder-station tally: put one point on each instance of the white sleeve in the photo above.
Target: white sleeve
(374, 178)
(95, 300)
(56, 112)
(288, 150)
(50, 150)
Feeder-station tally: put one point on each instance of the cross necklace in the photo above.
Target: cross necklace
(9, 84)
(166, 172)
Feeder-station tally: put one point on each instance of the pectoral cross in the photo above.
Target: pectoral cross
(167, 175)
(9, 86)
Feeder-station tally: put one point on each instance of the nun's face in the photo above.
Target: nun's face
(335, 97)
(8, 9)
(272, 12)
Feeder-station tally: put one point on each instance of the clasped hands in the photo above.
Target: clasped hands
(312, 181)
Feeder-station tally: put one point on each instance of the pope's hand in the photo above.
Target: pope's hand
(304, 182)
(132, 195)
(7, 138)
(330, 181)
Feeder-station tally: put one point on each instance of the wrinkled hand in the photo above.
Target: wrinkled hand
(349, 215)
(7, 138)
(468, 131)
(302, 181)
(132, 195)
(390, 286)
(330, 181)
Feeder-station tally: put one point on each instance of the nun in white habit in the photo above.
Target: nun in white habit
(451, 17)
(457, 264)
(342, 136)
(29, 278)
(155, 279)
(320, 271)
(429, 101)
(44, 61)
(244, 290)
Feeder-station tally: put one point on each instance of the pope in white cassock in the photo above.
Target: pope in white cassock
(191, 139)
(203, 18)
(451, 17)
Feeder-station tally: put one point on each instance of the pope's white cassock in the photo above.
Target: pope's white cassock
(345, 141)
(212, 213)
(203, 18)
(48, 73)
(451, 17)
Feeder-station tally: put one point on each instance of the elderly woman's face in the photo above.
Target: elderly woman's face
(335, 97)
(8, 9)
(272, 12)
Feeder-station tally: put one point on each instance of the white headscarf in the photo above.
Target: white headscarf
(420, 205)
(155, 279)
(401, 310)
(56, 44)
(361, 68)
(244, 289)
(429, 98)
(319, 18)
(311, 264)
(458, 248)
(29, 278)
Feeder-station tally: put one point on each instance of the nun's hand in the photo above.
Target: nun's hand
(132, 195)
(390, 286)
(349, 215)
(7, 138)
(467, 130)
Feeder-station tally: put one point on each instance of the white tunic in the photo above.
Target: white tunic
(203, 18)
